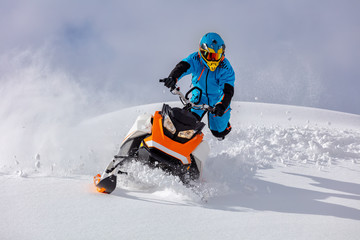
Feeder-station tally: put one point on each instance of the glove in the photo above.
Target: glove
(219, 109)
(169, 82)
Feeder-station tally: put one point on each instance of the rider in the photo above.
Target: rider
(213, 74)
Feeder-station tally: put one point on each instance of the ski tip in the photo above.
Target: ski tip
(97, 179)
(106, 185)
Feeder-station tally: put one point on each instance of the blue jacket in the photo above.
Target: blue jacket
(211, 83)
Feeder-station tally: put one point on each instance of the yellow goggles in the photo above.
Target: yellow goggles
(210, 56)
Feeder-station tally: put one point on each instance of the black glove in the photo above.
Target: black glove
(219, 109)
(169, 82)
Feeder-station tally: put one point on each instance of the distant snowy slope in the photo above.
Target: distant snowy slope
(263, 114)
(257, 124)
(275, 131)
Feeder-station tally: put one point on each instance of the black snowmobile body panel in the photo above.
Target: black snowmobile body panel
(156, 158)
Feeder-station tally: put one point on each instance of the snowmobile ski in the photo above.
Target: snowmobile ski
(106, 185)
(107, 182)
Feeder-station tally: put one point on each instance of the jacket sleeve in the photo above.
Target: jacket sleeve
(227, 84)
(228, 93)
(179, 69)
(188, 64)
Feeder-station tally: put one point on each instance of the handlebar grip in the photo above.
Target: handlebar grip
(162, 80)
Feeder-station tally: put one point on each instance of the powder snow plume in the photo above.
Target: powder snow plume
(39, 109)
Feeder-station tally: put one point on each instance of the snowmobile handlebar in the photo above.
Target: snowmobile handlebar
(186, 101)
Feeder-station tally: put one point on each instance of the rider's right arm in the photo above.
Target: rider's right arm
(179, 69)
(186, 66)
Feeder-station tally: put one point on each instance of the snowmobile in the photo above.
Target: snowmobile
(170, 139)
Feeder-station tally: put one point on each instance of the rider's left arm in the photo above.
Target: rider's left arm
(227, 81)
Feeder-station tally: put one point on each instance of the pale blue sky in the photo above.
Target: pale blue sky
(297, 52)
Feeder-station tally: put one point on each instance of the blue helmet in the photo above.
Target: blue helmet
(212, 50)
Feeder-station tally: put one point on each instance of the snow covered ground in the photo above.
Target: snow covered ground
(284, 172)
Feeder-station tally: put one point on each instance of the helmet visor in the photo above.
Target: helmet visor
(211, 56)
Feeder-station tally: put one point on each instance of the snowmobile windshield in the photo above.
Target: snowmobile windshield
(183, 117)
(184, 123)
